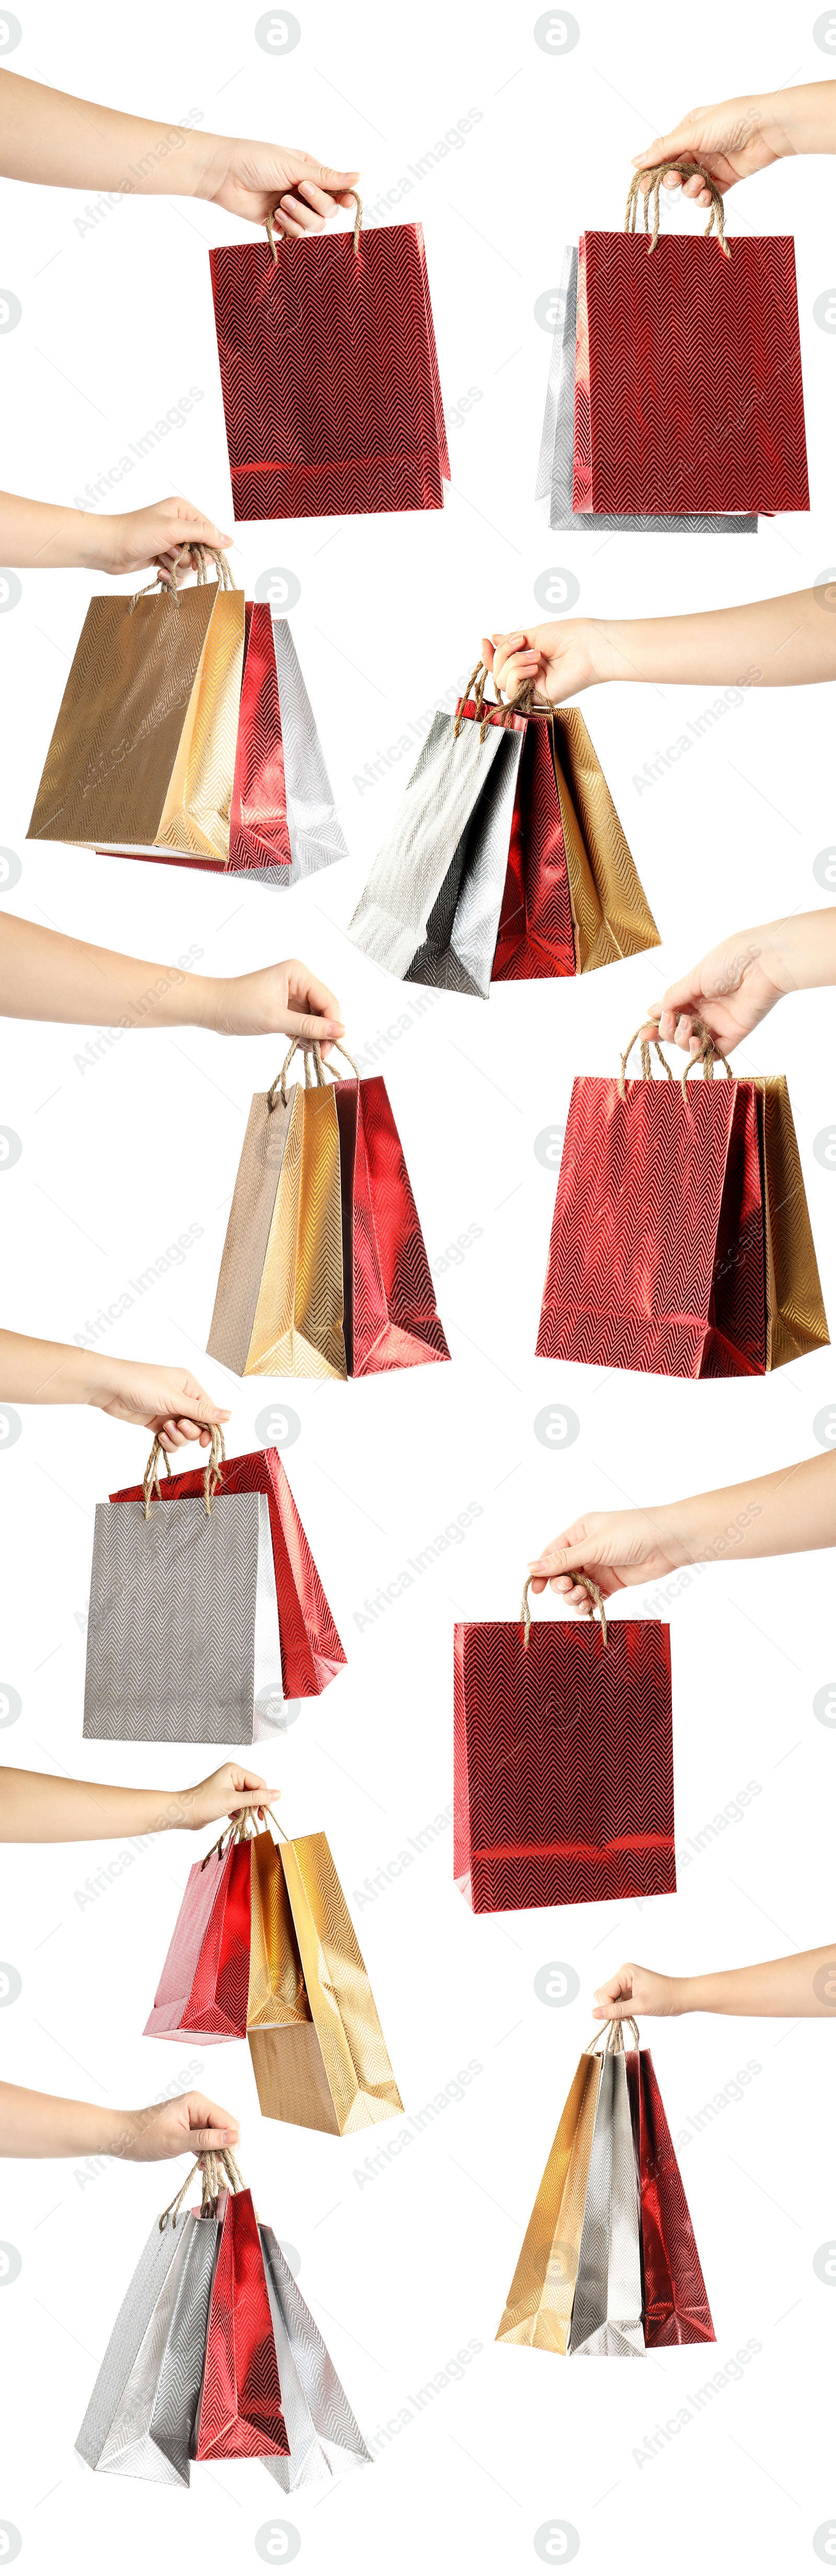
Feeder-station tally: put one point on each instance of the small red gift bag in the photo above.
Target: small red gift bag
(675, 2304)
(205, 1980)
(240, 2412)
(563, 1761)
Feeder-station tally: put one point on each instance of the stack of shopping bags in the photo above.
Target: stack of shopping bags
(264, 1949)
(609, 2264)
(215, 2356)
(563, 1760)
(675, 399)
(681, 1241)
(506, 858)
(329, 374)
(206, 1610)
(186, 734)
(324, 1270)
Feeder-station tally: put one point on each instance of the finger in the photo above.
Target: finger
(322, 200)
(674, 144)
(305, 1025)
(202, 2138)
(304, 217)
(190, 528)
(204, 2113)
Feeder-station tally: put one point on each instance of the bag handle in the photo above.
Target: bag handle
(212, 1473)
(218, 2172)
(307, 1047)
(525, 702)
(609, 2042)
(172, 586)
(355, 239)
(596, 1597)
(710, 1055)
(240, 1829)
(653, 178)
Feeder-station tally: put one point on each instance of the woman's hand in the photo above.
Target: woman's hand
(285, 1000)
(614, 1548)
(262, 179)
(560, 659)
(637, 1990)
(229, 1792)
(180, 2128)
(731, 141)
(160, 536)
(167, 1401)
(730, 990)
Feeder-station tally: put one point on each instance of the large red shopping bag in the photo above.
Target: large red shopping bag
(329, 374)
(657, 1253)
(675, 2302)
(240, 2412)
(688, 390)
(311, 1651)
(563, 1762)
(389, 1312)
(205, 1980)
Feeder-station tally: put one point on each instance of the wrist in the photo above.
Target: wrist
(781, 122)
(93, 541)
(607, 653)
(205, 164)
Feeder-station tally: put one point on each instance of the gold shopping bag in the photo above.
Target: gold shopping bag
(538, 2309)
(297, 1323)
(611, 916)
(795, 1318)
(142, 758)
(319, 2056)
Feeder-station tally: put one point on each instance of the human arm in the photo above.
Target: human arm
(48, 538)
(167, 1401)
(731, 989)
(784, 1513)
(57, 141)
(802, 1987)
(35, 1807)
(741, 135)
(45, 976)
(762, 644)
(44, 2124)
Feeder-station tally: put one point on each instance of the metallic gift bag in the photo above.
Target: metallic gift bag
(205, 1978)
(390, 1319)
(688, 389)
(556, 467)
(311, 1653)
(563, 1762)
(573, 900)
(607, 2306)
(321, 2429)
(675, 2303)
(319, 2056)
(795, 1318)
(240, 2409)
(329, 374)
(297, 1328)
(455, 811)
(183, 1642)
(538, 2309)
(141, 2413)
(314, 831)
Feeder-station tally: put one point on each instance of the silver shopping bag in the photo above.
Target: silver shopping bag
(139, 2420)
(321, 2429)
(555, 470)
(430, 910)
(607, 2307)
(183, 1639)
(314, 831)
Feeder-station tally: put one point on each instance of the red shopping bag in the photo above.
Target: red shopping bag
(389, 1311)
(688, 390)
(675, 2303)
(563, 1762)
(572, 899)
(240, 2413)
(656, 1258)
(311, 1650)
(205, 1980)
(258, 833)
(329, 375)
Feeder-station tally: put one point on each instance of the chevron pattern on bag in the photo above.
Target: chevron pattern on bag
(311, 1649)
(171, 1622)
(132, 2323)
(151, 2433)
(330, 2419)
(563, 1763)
(675, 2302)
(248, 1230)
(195, 817)
(240, 2415)
(329, 376)
(258, 831)
(387, 1283)
(656, 1259)
(297, 1327)
(121, 719)
(206, 1888)
(688, 390)
(538, 2310)
(607, 2306)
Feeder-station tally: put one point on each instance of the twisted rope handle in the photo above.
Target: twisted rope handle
(355, 238)
(240, 1829)
(171, 588)
(212, 1473)
(218, 2172)
(609, 2042)
(596, 1597)
(525, 702)
(646, 1068)
(653, 179)
(710, 1055)
(307, 1047)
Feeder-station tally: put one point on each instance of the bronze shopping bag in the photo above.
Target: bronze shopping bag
(319, 2056)
(297, 1321)
(142, 758)
(795, 1318)
(538, 2309)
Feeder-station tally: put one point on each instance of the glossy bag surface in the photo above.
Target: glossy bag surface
(572, 899)
(675, 2303)
(183, 1637)
(538, 2310)
(205, 1977)
(329, 375)
(318, 2051)
(141, 2414)
(390, 1318)
(240, 2410)
(688, 390)
(322, 2431)
(563, 1763)
(607, 2306)
(311, 1653)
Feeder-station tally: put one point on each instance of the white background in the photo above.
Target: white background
(117, 1161)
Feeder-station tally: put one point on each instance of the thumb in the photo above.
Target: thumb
(675, 143)
(564, 1560)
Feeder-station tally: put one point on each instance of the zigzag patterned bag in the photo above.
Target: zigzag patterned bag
(563, 1761)
(329, 374)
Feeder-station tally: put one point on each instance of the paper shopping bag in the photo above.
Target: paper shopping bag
(556, 466)
(205, 1979)
(321, 2429)
(239, 2415)
(319, 2056)
(390, 1318)
(454, 821)
(688, 391)
(795, 1317)
(675, 2304)
(607, 2306)
(329, 374)
(538, 2309)
(141, 2414)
